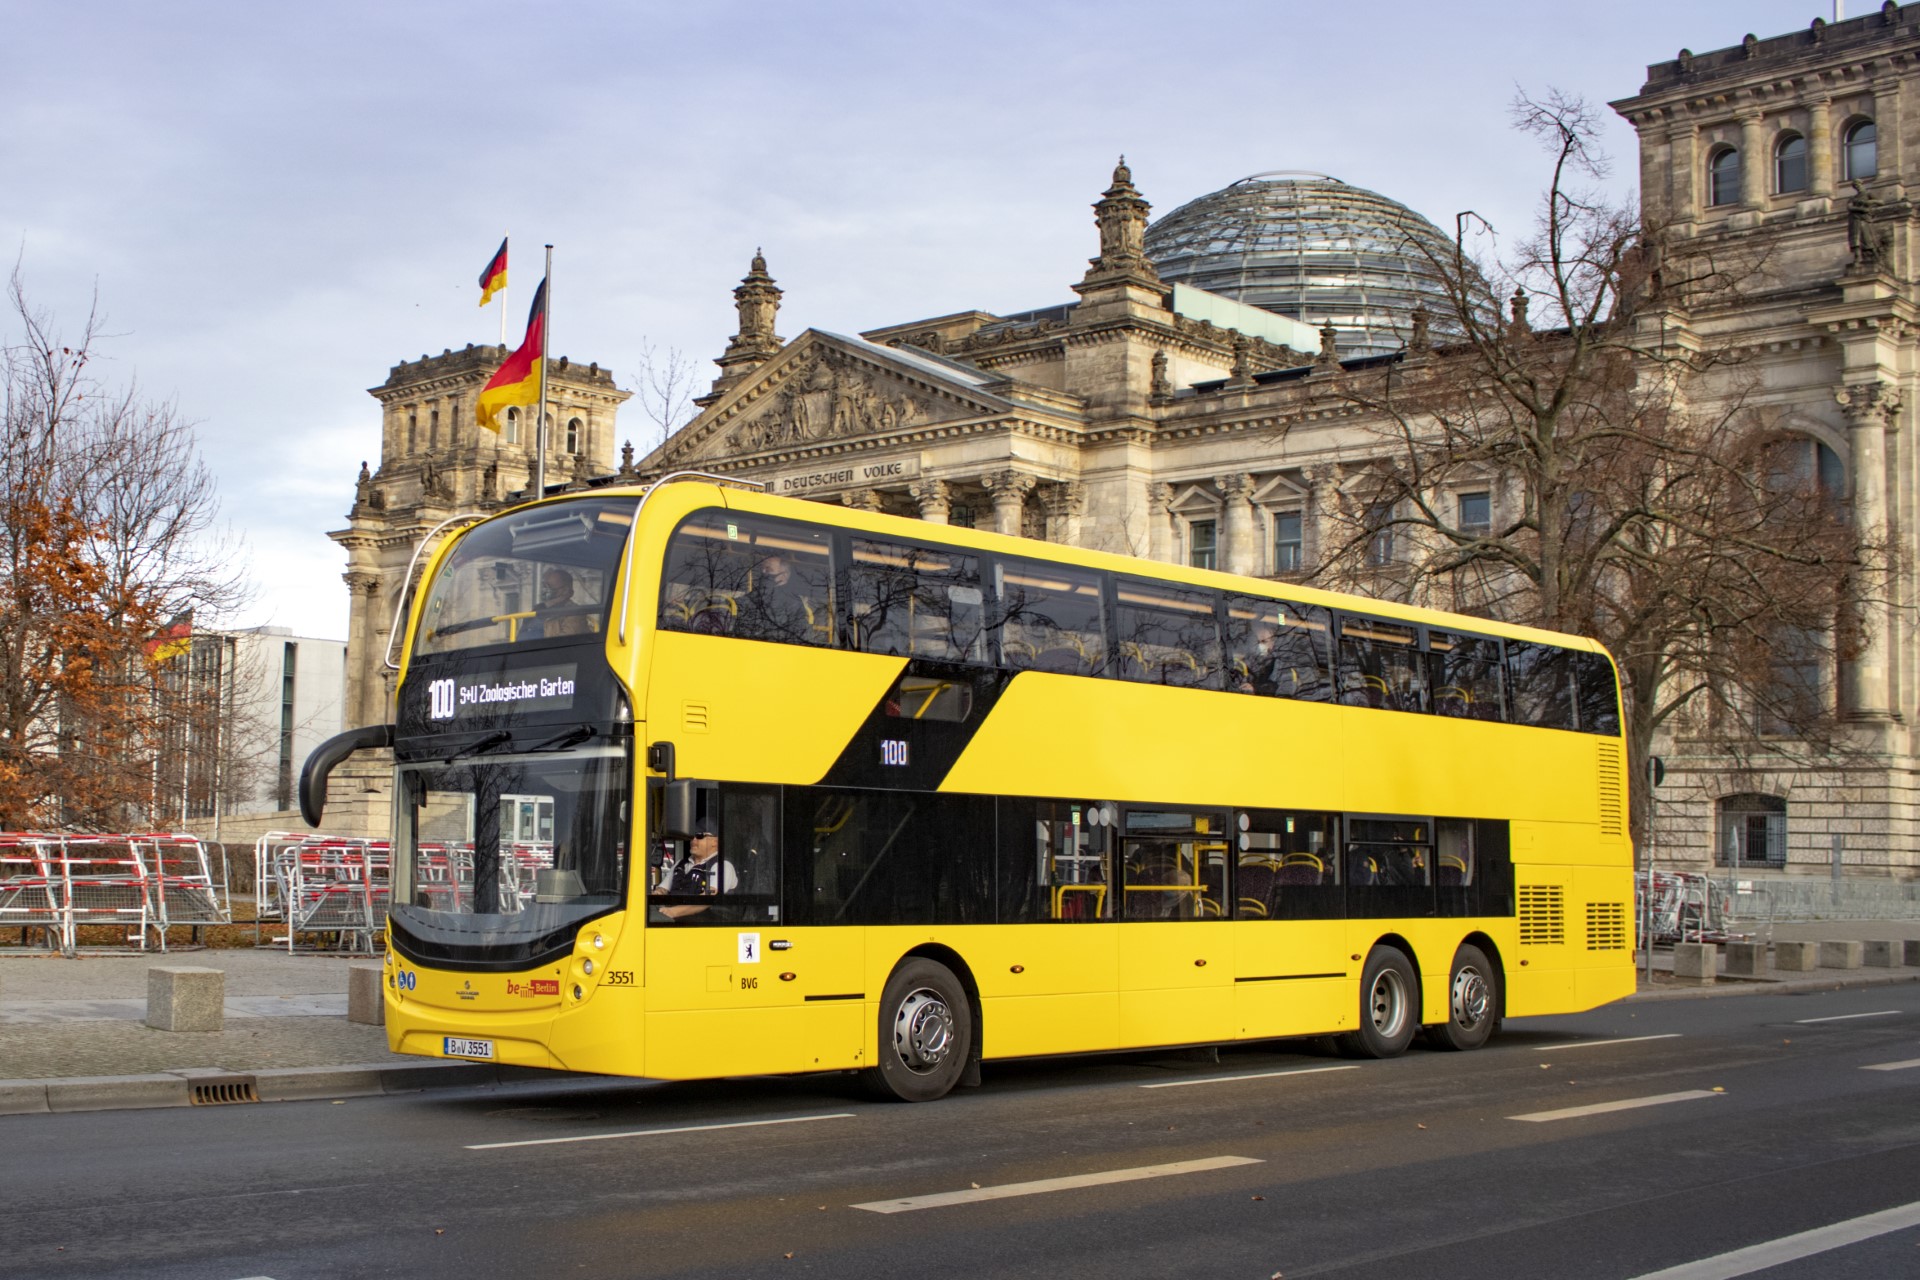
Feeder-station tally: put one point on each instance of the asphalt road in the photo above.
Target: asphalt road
(1278, 1160)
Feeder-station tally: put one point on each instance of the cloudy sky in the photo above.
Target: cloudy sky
(276, 202)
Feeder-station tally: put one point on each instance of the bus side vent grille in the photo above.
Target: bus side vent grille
(694, 716)
(1543, 915)
(1611, 808)
(1606, 926)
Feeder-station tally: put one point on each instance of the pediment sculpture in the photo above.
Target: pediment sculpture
(825, 395)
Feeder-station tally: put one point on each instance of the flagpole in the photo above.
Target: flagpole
(540, 418)
(503, 300)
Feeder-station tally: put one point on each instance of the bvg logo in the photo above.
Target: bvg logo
(537, 987)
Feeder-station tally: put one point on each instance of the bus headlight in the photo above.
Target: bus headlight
(586, 967)
(599, 942)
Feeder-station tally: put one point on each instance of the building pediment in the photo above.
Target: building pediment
(823, 387)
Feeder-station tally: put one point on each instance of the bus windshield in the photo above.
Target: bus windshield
(531, 575)
(507, 850)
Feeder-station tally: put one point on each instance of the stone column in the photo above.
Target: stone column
(362, 603)
(1685, 173)
(1820, 148)
(1755, 163)
(1160, 522)
(1870, 410)
(1236, 522)
(1886, 120)
(1065, 503)
(936, 503)
(1009, 490)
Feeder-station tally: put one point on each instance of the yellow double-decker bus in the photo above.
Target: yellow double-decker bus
(693, 781)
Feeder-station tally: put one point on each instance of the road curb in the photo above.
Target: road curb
(1726, 986)
(286, 1084)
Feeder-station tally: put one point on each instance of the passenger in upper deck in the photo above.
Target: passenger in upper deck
(558, 614)
(779, 607)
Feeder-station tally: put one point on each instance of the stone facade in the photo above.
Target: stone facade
(436, 465)
(1795, 152)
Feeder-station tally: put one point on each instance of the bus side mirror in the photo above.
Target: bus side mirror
(313, 775)
(677, 810)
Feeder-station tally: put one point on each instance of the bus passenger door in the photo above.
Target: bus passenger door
(1176, 948)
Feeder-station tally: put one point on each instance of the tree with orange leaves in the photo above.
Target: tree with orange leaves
(106, 511)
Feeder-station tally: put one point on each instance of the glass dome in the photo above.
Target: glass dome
(1309, 246)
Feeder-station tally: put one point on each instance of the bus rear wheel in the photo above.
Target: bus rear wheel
(1473, 1002)
(1389, 1007)
(926, 1034)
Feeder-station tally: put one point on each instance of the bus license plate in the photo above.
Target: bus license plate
(458, 1048)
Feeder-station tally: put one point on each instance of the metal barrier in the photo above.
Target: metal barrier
(140, 884)
(319, 884)
(1679, 906)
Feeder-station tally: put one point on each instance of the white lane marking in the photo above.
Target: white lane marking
(1625, 1104)
(1594, 1044)
(1893, 1066)
(1010, 1189)
(1848, 1017)
(1258, 1075)
(1773, 1253)
(656, 1133)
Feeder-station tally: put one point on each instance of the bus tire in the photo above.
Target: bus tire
(926, 1034)
(1473, 1002)
(1389, 1007)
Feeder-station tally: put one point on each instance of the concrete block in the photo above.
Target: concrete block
(1796, 957)
(1840, 953)
(1912, 949)
(1695, 962)
(295, 1084)
(366, 1001)
(1744, 959)
(185, 998)
(1879, 955)
(117, 1093)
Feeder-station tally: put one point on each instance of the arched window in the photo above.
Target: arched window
(1723, 177)
(576, 430)
(1799, 464)
(1790, 164)
(1861, 151)
(1752, 831)
(413, 431)
(512, 431)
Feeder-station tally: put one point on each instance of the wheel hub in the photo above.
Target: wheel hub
(1387, 1003)
(923, 1030)
(1471, 998)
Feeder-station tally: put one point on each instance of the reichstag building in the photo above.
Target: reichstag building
(1181, 402)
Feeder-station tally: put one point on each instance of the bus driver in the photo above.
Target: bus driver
(700, 870)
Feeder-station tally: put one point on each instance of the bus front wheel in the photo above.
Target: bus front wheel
(1473, 1002)
(926, 1034)
(1389, 1007)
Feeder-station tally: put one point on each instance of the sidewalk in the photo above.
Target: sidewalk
(73, 1034)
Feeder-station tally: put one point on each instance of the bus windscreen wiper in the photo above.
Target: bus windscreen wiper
(488, 743)
(561, 741)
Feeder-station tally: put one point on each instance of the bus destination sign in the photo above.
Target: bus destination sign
(503, 695)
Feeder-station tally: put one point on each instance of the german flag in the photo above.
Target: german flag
(494, 278)
(518, 380)
(172, 640)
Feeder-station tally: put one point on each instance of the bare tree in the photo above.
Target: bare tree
(106, 522)
(1576, 459)
(664, 387)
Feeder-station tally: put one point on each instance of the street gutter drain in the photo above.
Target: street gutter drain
(216, 1093)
